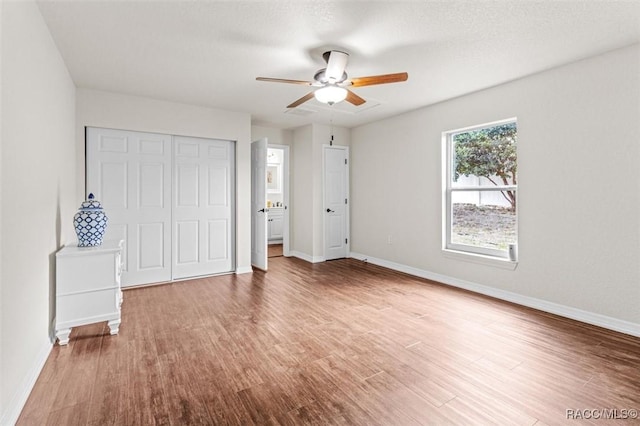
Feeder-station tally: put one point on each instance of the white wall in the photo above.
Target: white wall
(273, 135)
(301, 215)
(3, 404)
(117, 111)
(38, 186)
(579, 190)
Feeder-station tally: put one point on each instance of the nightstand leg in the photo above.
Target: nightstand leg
(114, 326)
(63, 336)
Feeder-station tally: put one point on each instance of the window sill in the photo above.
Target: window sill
(480, 259)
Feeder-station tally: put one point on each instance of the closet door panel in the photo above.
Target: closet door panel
(187, 185)
(187, 242)
(203, 188)
(151, 185)
(151, 245)
(130, 173)
(113, 184)
(218, 187)
(218, 248)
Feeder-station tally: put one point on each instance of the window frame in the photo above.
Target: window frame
(449, 189)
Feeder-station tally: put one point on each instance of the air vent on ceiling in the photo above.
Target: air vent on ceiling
(346, 107)
(300, 111)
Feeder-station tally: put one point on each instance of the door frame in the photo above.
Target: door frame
(347, 193)
(286, 234)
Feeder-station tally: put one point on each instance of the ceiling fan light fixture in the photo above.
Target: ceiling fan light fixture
(330, 94)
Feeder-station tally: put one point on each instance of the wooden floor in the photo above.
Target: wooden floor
(341, 342)
(274, 250)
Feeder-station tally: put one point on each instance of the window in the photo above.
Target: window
(480, 190)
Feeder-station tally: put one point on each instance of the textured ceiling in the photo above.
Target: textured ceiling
(210, 52)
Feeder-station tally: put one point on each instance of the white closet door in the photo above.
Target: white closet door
(130, 174)
(203, 200)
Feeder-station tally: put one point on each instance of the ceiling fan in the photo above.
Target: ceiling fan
(333, 82)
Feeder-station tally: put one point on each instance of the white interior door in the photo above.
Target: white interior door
(130, 174)
(203, 200)
(336, 202)
(259, 204)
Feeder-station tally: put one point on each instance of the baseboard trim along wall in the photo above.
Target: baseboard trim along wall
(306, 257)
(531, 302)
(20, 396)
(244, 270)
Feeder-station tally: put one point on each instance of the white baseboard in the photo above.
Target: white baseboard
(599, 320)
(21, 394)
(306, 257)
(244, 270)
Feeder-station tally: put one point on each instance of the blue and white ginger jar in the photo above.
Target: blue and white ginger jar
(90, 223)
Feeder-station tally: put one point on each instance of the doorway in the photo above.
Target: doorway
(269, 202)
(274, 250)
(278, 200)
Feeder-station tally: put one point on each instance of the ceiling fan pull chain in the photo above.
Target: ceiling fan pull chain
(331, 127)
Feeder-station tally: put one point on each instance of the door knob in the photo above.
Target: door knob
(261, 211)
(330, 211)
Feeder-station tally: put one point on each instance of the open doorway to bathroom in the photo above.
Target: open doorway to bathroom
(278, 200)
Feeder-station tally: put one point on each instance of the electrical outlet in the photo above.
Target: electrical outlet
(389, 239)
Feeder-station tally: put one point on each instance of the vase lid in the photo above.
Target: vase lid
(90, 203)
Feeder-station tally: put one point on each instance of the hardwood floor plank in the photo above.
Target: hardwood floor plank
(147, 389)
(111, 395)
(73, 415)
(341, 342)
(274, 250)
(420, 384)
(184, 402)
(343, 395)
(46, 389)
(79, 380)
(265, 402)
(312, 414)
(400, 400)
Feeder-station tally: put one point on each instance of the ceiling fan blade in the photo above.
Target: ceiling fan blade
(379, 79)
(284, 80)
(302, 100)
(335, 65)
(354, 99)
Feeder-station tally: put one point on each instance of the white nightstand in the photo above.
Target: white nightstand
(88, 287)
